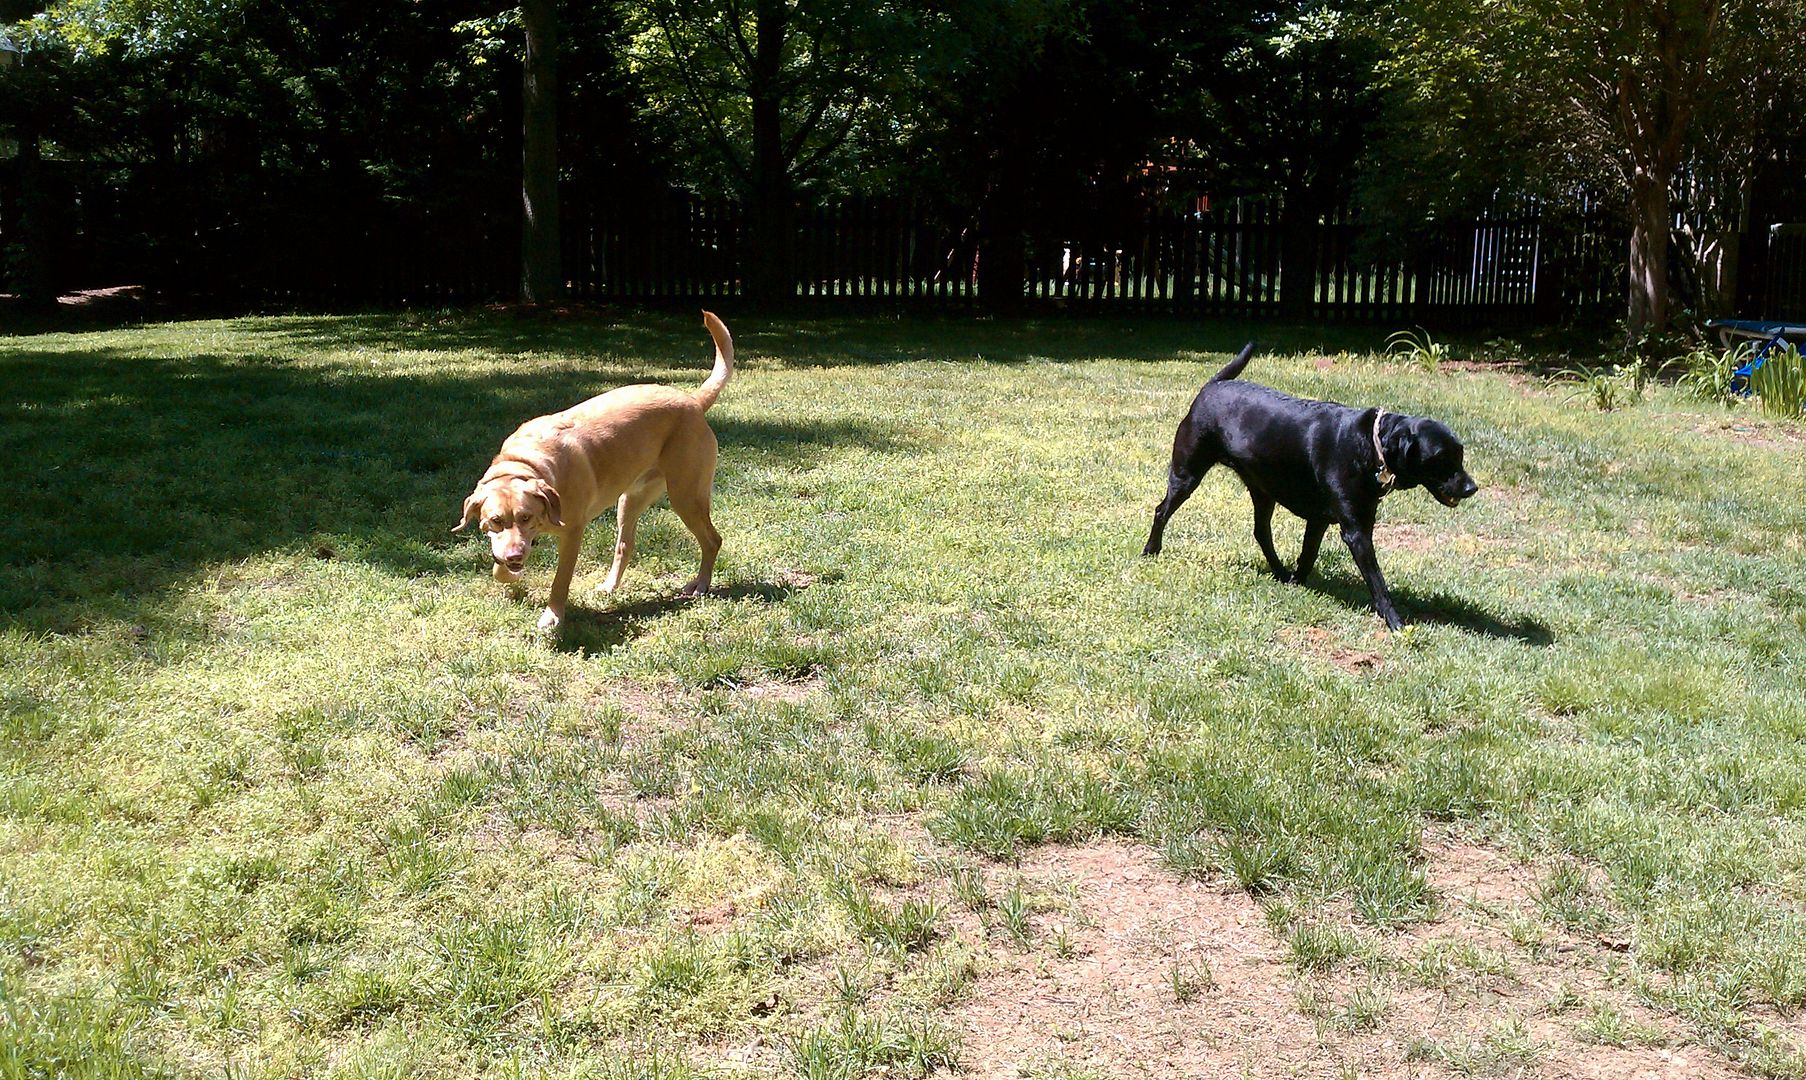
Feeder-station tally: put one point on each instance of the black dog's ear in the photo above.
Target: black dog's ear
(1410, 451)
(1404, 455)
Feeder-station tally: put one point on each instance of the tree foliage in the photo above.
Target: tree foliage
(259, 130)
(227, 134)
(1617, 96)
(832, 73)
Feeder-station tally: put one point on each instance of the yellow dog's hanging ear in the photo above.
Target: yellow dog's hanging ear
(472, 504)
(554, 510)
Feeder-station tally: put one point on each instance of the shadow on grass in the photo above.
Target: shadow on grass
(138, 471)
(1450, 610)
(809, 341)
(593, 629)
(1439, 607)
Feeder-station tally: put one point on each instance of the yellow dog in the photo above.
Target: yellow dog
(625, 448)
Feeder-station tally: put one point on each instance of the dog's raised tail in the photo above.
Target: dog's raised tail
(724, 360)
(1234, 367)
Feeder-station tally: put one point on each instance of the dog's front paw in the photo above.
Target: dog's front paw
(549, 621)
(694, 589)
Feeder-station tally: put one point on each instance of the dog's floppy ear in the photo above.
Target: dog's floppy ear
(1403, 455)
(549, 493)
(1410, 454)
(472, 503)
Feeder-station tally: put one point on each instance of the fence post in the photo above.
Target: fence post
(1423, 282)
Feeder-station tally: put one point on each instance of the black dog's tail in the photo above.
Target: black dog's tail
(1234, 367)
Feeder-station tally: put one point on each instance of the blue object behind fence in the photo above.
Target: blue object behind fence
(1772, 335)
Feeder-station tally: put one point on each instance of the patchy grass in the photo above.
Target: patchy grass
(289, 786)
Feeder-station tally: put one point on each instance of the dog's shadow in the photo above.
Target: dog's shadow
(602, 629)
(1439, 607)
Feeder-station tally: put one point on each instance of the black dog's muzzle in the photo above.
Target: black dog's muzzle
(1453, 498)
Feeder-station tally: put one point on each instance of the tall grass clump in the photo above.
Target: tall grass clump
(1780, 384)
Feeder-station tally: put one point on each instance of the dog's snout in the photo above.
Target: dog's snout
(1468, 487)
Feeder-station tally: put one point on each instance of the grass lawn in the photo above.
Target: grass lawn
(945, 778)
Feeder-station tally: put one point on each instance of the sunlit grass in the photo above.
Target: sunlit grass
(289, 786)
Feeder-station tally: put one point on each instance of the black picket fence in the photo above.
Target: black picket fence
(1228, 261)
(1783, 265)
(96, 226)
(1516, 264)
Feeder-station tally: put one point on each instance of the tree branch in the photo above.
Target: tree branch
(717, 130)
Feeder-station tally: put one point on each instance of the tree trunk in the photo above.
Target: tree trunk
(1002, 258)
(1647, 311)
(772, 273)
(1002, 251)
(30, 269)
(541, 272)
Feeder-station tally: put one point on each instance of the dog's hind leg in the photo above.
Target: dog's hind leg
(1180, 483)
(688, 465)
(1307, 554)
(693, 508)
(634, 502)
(1263, 535)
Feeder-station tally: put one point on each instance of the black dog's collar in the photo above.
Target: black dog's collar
(1384, 475)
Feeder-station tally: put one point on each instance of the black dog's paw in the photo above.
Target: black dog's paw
(1151, 549)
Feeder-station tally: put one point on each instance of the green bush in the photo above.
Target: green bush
(1706, 372)
(1417, 347)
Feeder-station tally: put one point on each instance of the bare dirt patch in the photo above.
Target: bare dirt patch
(1406, 536)
(641, 700)
(1462, 871)
(1110, 1007)
(1326, 646)
(651, 710)
(793, 578)
(618, 797)
(1549, 995)
(1769, 434)
(1162, 977)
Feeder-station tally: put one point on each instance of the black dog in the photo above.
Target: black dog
(1322, 461)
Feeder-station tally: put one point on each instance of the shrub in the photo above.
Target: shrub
(1419, 348)
(1780, 384)
(1706, 372)
(1605, 388)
